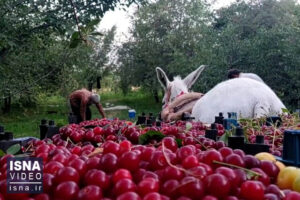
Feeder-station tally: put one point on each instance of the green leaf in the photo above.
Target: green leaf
(285, 110)
(93, 23)
(2, 153)
(75, 40)
(225, 136)
(13, 149)
(150, 135)
(179, 142)
(97, 33)
(188, 126)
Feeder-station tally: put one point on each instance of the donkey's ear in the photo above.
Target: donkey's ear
(192, 77)
(162, 77)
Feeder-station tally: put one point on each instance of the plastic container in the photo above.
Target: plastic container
(141, 119)
(4, 145)
(274, 120)
(52, 129)
(152, 118)
(212, 132)
(237, 141)
(8, 136)
(2, 133)
(43, 129)
(231, 121)
(131, 113)
(258, 147)
(158, 123)
(149, 122)
(219, 119)
(291, 148)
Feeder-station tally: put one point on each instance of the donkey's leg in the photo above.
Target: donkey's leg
(261, 109)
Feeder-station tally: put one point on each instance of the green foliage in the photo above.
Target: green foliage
(51, 46)
(150, 136)
(170, 34)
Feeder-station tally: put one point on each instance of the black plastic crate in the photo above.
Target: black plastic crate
(291, 148)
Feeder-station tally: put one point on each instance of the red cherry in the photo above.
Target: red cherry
(66, 190)
(217, 181)
(169, 188)
(152, 196)
(264, 178)
(292, 196)
(191, 187)
(123, 186)
(48, 181)
(98, 130)
(231, 198)
(44, 148)
(252, 190)
(170, 143)
(130, 161)
(79, 165)
(125, 146)
(111, 147)
(225, 151)
(108, 162)
(148, 185)
(129, 195)
(121, 174)
(190, 161)
(3, 159)
(185, 151)
(90, 192)
(52, 167)
(212, 155)
(270, 196)
(97, 177)
(67, 174)
(209, 197)
(251, 161)
(92, 163)
(230, 175)
(269, 168)
(172, 173)
(235, 159)
(42, 196)
(239, 152)
(147, 153)
(60, 158)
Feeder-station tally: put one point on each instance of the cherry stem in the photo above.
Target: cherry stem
(238, 167)
(206, 148)
(174, 166)
(31, 145)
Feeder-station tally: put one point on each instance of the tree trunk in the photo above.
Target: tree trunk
(7, 104)
(155, 93)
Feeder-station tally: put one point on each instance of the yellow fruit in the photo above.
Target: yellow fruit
(296, 184)
(265, 156)
(280, 165)
(287, 176)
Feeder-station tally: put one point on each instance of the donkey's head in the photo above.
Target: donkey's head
(178, 86)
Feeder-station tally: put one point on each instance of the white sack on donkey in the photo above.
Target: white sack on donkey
(247, 97)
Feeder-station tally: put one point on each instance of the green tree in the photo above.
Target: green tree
(173, 35)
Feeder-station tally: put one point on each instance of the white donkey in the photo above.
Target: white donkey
(248, 97)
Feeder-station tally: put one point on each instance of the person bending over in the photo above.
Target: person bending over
(235, 73)
(80, 101)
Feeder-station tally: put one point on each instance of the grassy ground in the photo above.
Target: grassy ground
(25, 122)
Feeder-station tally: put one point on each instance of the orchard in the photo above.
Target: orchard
(116, 159)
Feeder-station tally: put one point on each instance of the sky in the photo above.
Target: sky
(121, 19)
